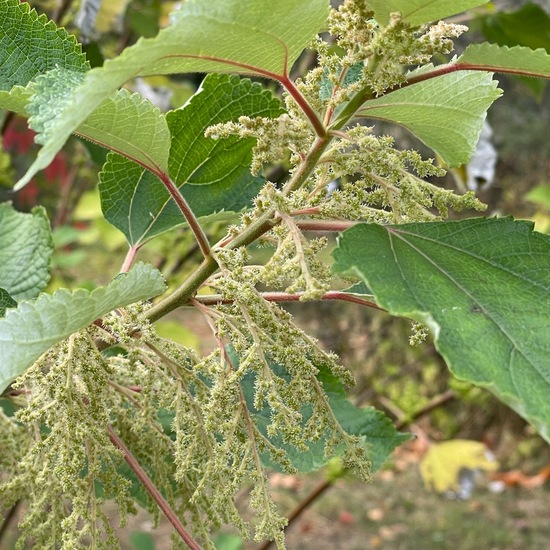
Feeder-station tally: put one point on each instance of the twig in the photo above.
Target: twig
(213, 299)
(435, 403)
(153, 491)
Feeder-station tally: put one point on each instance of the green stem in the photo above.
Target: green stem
(351, 108)
(256, 229)
(265, 221)
(305, 169)
(185, 292)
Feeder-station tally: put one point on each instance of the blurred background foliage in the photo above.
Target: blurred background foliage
(412, 384)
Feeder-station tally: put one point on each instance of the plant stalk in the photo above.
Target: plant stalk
(190, 217)
(214, 299)
(153, 491)
(265, 221)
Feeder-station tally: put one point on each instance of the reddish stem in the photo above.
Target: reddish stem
(129, 260)
(194, 225)
(325, 225)
(215, 299)
(153, 491)
(453, 67)
(316, 122)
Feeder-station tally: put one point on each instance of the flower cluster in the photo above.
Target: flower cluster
(384, 51)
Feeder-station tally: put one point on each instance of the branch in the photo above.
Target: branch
(214, 299)
(153, 491)
(248, 235)
(435, 403)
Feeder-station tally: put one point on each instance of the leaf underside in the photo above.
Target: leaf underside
(25, 250)
(482, 285)
(418, 12)
(33, 327)
(265, 39)
(130, 125)
(446, 113)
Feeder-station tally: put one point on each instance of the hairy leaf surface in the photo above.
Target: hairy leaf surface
(31, 45)
(446, 112)
(31, 329)
(418, 12)
(482, 285)
(212, 175)
(26, 247)
(256, 37)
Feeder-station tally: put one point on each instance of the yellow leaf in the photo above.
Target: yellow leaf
(441, 466)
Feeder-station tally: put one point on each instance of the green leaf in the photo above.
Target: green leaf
(378, 432)
(260, 38)
(126, 122)
(224, 541)
(26, 247)
(418, 12)
(130, 125)
(446, 112)
(216, 173)
(6, 301)
(482, 285)
(528, 26)
(31, 329)
(212, 175)
(120, 182)
(142, 541)
(517, 60)
(31, 45)
(15, 100)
